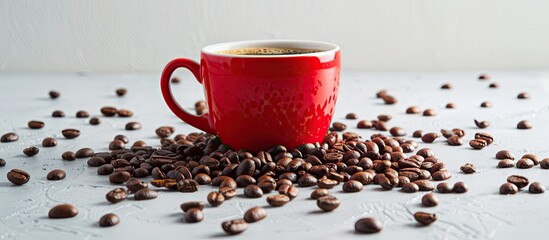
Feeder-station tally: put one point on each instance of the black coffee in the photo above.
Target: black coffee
(268, 51)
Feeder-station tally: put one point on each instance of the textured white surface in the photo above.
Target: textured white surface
(128, 35)
(479, 214)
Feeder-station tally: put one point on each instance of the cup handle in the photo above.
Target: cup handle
(200, 122)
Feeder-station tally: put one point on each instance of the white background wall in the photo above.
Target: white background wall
(129, 35)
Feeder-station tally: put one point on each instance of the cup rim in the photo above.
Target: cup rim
(324, 47)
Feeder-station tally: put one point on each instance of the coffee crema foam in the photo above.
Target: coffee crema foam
(268, 51)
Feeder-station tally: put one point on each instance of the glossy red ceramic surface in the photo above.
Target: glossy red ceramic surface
(256, 103)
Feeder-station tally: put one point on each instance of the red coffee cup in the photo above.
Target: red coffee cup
(259, 101)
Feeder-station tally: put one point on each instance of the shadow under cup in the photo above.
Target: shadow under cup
(259, 101)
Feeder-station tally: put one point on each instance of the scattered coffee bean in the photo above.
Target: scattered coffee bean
(486, 104)
(194, 215)
(96, 162)
(35, 124)
(429, 137)
(278, 200)
(215, 198)
(54, 94)
(227, 192)
(288, 190)
(2, 162)
(82, 114)
(425, 185)
(368, 225)
(425, 218)
(233, 227)
(145, 194)
(327, 203)
(508, 188)
(121, 92)
(413, 110)
(544, 163)
(84, 153)
(454, 141)
(532, 157)
(109, 220)
(255, 214)
(175, 80)
(70, 133)
(119, 177)
(451, 105)
(380, 125)
(124, 113)
(525, 163)
(108, 111)
(389, 100)
(338, 126)
(116, 145)
(504, 154)
(506, 163)
(519, 181)
(429, 112)
(351, 116)
(320, 192)
(478, 144)
(9, 137)
(133, 126)
(107, 169)
(116, 195)
(484, 136)
(429, 200)
(493, 85)
(69, 156)
(384, 117)
(410, 187)
(444, 187)
(95, 121)
(165, 131)
(134, 184)
(468, 168)
(187, 185)
(352, 186)
(417, 134)
(190, 205)
(381, 93)
(307, 180)
(49, 142)
(253, 191)
(536, 187)
(327, 183)
(524, 124)
(446, 86)
(63, 211)
(364, 124)
(18, 176)
(31, 151)
(523, 95)
(397, 131)
(483, 76)
(58, 114)
(56, 174)
(460, 187)
(482, 124)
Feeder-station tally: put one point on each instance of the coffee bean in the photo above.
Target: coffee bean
(255, 214)
(56, 174)
(460, 187)
(107, 169)
(108, 111)
(109, 220)
(82, 114)
(164, 131)
(58, 114)
(417, 134)
(483, 76)
(119, 177)
(124, 113)
(134, 184)
(478, 144)
(536, 187)
(486, 104)
(482, 124)
(145, 194)
(95, 121)
(215, 198)
(451, 105)
(444, 187)
(328, 203)
(525, 163)
(380, 125)
(424, 185)
(523, 95)
(84, 153)
(9, 137)
(70, 133)
(320, 192)
(544, 163)
(133, 126)
(54, 94)
(2, 162)
(363, 124)
(410, 187)
(446, 86)
(121, 92)
(413, 110)
(519, 181)
(425, 218)
(389, 100)
(278, 200)
(381, 93)
(484, 136)
(532, 157)
(288, 190)
(49, 142)
(338, 126)
(267, 186)
(454, 141)
(352, 186)
(116, 195)
(429, 200)
(192, 205)
(397, 131)
(504, 154)
(524, 124)
(429, 137)
(69, 156)
(227, 192)
(508, 188)
(233, 227)
(506, 163)
(468, 168)
(63, 211)
(18, 176)
(368, 225)
(122, 138)
(253, 191)
(35, 124)
(96, 162)
(441, 175)
(307, 180)
(116, 145)
(31, 151)
(202, 179)
(493, 85)
(384, 117)
(351, 116)
(429, 112)
(194, 215)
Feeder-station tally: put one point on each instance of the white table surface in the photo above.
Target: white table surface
(481, 213)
